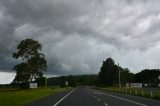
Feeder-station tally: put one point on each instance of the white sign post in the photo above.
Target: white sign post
(136, 85)
(33, 85)
(127, 85)
(66, 83)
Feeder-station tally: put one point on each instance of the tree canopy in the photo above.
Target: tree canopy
(109, 73)
(149, 76)
(33, 61)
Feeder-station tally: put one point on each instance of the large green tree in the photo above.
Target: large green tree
(33, 61)
(108, 74)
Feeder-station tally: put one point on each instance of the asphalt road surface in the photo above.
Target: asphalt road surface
(84, 96)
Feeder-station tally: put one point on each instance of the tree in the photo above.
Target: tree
(41, 81)
(33, 61)
(108, 74)
(126, 76)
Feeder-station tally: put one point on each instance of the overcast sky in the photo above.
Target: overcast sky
(77, 35)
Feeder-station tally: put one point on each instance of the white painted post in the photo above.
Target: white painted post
(136, 92)
(142, 93)
(151, 94)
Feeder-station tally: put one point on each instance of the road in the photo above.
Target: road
(84, 96)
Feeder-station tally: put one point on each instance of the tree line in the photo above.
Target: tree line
(109, 75)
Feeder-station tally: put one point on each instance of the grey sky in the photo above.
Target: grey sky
(77, 35)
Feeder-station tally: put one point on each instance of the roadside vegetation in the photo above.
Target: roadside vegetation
(22, 97)
(142, 92)
(113, 77)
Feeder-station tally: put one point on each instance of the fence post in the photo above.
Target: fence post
(142, 93)
(151, 94)
(136, 92)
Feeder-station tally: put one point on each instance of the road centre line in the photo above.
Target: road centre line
(97, 92)
(94, 96)
(99, 99)
(105, 104)
(120, 98)
(63, 98)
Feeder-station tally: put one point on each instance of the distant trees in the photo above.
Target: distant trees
(33, 61)
(149, 76)
(71, 81)
(109, 72)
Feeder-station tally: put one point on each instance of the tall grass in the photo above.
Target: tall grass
(21, 97)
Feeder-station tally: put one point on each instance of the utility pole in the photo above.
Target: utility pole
(119, 76)
(46, 79)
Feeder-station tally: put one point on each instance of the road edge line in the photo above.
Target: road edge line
(122, 99)
(63, 98)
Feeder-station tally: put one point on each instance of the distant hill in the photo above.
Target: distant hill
(73, 80)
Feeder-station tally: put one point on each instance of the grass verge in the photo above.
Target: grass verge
(133, 91)
(22, 97)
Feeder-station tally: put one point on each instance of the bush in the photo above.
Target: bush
(24, 85)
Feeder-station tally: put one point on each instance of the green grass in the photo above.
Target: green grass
(133, 91)
(22, 97)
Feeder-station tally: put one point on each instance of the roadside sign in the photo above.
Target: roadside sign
(127, 85)
(136, 85)
(145, 85)
(33, 85)
(66, 83)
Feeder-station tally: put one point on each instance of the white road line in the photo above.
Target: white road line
(63, 98)
(97, 92)
(94, 96)
(105, 104)
(99, 99)
(124, 99)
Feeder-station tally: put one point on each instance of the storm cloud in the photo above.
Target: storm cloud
(77, 35)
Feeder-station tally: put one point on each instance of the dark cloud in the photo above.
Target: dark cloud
(77, 35)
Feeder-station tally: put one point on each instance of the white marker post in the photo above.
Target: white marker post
(151, 94)
(66, 83)
(119, 77)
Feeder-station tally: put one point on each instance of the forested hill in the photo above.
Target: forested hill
(73, 80)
